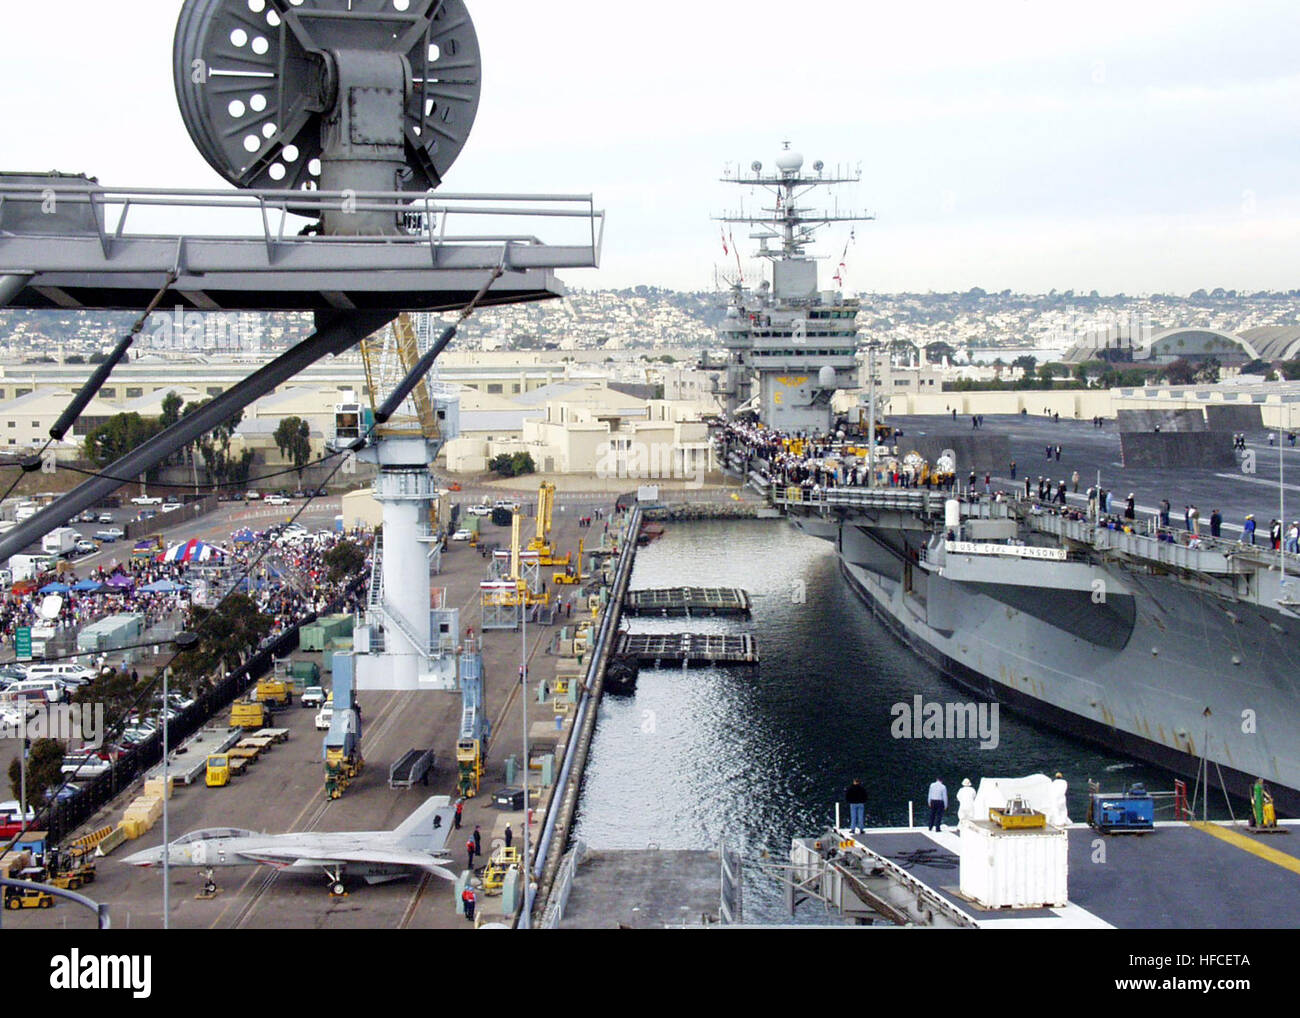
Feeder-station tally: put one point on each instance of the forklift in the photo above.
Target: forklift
(27, 897)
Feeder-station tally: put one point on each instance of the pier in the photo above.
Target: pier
(687, 649)
(687, 602)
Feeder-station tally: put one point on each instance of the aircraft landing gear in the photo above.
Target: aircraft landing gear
(210, 889)
(337, 887)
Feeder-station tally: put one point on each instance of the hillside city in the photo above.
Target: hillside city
(974, 324)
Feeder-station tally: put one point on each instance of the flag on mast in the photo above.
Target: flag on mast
(725, 250)
(839, 272)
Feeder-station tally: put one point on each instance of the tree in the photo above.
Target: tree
(1207, 372)
(225, 634)
(1257, 367)
(115, 691)
(512, 464)
(43, 770)
(1180, 372)
(1290, 370)
(1027, 362)
(344, 560)
(117, 436)
(74, 358)
(293, 439)
(221, 469)
(171, 409)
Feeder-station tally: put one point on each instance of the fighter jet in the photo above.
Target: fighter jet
(418, 843)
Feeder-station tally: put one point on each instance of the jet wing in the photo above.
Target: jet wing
(307, 855)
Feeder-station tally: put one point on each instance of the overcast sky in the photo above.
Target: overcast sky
(1118, 146)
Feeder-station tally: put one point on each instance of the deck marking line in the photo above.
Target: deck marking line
(1239, 840)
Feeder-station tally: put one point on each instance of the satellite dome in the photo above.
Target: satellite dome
(789, 161)
(826, 377)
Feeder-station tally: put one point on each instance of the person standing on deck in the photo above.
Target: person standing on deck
(1164, 512)
(856, 796)
(1074, 480)
(1248, 530)
(1216, 523)
(1275, 534)
(938, 796)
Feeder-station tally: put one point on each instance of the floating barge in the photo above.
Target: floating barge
(687, 602)
(686, 649)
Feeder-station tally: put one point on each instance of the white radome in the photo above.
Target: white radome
(789, 161)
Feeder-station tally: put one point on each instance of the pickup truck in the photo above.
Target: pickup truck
(313, 696)
(109, 534)
(147, 500)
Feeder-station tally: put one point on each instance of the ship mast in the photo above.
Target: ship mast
(798, 342)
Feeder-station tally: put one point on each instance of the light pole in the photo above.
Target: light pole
(166, 857)
(525, 920)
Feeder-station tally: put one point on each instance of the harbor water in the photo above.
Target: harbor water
(758, 755)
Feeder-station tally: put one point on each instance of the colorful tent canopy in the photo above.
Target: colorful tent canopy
(191, 551)
(84, 585)
(55, 588)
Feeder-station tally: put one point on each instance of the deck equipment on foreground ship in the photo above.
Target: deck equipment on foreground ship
(789, 345)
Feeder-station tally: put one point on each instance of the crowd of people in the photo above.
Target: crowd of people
(819, 462)
(286, 579)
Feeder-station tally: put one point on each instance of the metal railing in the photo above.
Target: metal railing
(418, 212)
(554, 913)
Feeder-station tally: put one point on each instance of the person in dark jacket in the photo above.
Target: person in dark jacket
(856, 796)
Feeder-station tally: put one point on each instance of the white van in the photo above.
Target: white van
(65, 671)
(31, 689)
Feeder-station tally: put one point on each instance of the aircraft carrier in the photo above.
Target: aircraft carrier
(1177, 650)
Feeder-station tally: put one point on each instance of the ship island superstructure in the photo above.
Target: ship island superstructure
(789, 345)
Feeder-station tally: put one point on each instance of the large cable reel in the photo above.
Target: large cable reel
(363, 95)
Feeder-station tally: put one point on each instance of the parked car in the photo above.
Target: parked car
(275, 500)
(479, 510)
(313, 696)
(461, 535)
(86, 547)
(147, 500)
(170, 507)
(87, 765)
(109, 534)
(104, 518)
(251, 496)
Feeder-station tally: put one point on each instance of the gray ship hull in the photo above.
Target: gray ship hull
(1159, 669)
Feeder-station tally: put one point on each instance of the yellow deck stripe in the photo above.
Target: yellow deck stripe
(1287, 862)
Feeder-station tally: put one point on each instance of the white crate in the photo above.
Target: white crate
(1014, 869)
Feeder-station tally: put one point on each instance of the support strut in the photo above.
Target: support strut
(333, 335)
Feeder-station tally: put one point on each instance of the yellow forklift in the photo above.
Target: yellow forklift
(572, 575)
(27, 897)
